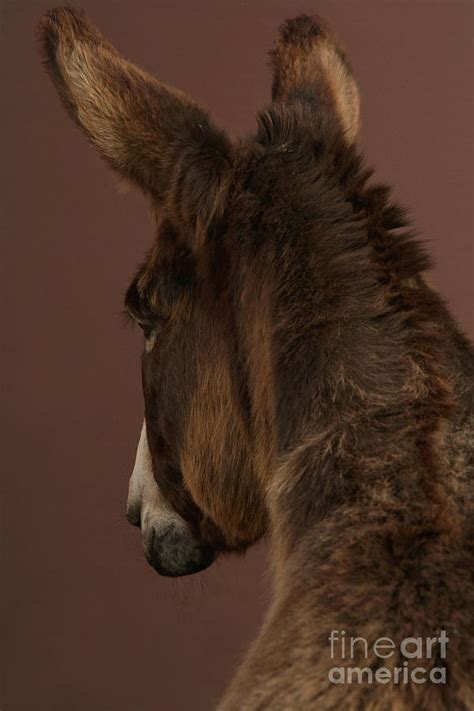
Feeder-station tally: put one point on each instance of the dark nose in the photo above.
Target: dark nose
(173, 554)
(134, 514)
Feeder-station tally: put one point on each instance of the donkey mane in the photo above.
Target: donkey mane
(364, 244)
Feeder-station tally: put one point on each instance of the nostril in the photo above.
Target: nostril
(134, 515)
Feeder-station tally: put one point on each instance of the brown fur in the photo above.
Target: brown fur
(306, 384)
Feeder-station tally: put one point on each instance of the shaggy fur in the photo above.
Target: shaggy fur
(305, 382)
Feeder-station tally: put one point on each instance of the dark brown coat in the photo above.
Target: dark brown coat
(301, 380)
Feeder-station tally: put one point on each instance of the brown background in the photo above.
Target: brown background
(86, 624)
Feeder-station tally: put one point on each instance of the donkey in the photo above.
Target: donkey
(301, 380)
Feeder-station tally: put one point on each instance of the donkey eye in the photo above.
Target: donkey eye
(146, 327)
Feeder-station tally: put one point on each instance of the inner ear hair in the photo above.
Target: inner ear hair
(310, 66)
(150, 133)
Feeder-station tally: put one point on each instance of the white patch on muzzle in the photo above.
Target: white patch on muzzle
(143, 492)
(168, 542)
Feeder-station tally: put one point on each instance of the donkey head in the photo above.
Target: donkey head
(204, 296)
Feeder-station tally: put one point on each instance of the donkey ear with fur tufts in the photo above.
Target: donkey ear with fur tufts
(150, 133)
(310, 68)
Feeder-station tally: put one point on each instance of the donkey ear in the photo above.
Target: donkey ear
(309, 66)
(151, 134)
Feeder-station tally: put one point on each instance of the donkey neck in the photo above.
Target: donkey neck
(342, 340)
(351, 392)
(370, 444)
